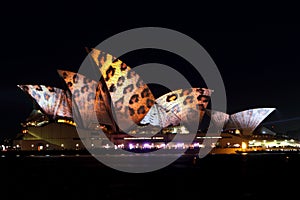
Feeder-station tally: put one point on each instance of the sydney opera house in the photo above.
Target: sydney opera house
(120, 111)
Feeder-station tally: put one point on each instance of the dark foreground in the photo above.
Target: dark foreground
(257, 176)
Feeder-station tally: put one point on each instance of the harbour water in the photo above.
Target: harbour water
(81, 176)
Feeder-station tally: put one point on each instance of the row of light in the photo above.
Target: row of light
(156, 146)
(40, 147)
(66, 122)
(274, 143)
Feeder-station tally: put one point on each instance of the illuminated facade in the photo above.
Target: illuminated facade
(122, 103)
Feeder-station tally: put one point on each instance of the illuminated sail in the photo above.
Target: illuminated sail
(188, 104)
(158, 116)
(248, 120)
(131, 97)
(88, 98)
(53, 101)
(218, 119)
(102, 106)
(102, 59)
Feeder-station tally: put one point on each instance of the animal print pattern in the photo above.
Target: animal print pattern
(132, 100)
(131, 97)
(53, 101)
(102, 59)
(187, 104)
(87, 97)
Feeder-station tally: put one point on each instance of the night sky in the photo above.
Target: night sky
(259, 63)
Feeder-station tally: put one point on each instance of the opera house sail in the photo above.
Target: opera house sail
(131, 97)
(218, 119)
(88, 100)
(248, 120)
(180, 107)
(53, 101)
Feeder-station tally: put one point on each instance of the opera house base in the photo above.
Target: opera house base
(65, 137)
(56, 138)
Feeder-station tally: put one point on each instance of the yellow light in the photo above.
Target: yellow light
(244, 145)
(66, 122)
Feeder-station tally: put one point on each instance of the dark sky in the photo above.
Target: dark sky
(259, 63)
